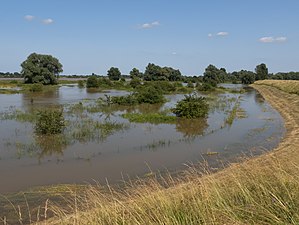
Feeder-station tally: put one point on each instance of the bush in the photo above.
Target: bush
(92, 82)
(81, 83)
(191, 107)
(38, 87)
(125, 100)
(149, 95)
(205, 87)
(50, 122)
(135, 82)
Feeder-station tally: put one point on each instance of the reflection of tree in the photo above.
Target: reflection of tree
(51, 145)
(31, 100)
(191, 127)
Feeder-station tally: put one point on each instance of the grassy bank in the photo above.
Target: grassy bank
(262, 190)
(289, 86)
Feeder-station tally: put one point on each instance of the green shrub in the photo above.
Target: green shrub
(81, 83)
(190, 84)
(150, 95)
(38, 87)
(50, 121)
(191, 107)
(135, 82)
(130, 99)
(92, 82)
(205, 87)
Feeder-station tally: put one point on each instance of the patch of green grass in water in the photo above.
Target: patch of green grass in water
(154, 118)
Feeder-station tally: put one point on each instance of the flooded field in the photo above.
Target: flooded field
(99, 144)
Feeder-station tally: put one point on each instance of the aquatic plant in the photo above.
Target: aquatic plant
(50, 121)
(154, 118)
(192, 106)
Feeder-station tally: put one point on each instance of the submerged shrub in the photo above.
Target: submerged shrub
(192, 106)
(50, 121)
(81, 83)
(92, 82)
(37, 87)
(205, 87)
(148, 94)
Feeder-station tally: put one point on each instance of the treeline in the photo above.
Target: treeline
(212, 75)
(45, 69)
(10, 75)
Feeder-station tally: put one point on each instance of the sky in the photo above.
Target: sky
(93, 35)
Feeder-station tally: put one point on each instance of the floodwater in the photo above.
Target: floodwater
(85, 154)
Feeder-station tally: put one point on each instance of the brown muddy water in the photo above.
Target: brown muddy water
(99, 144)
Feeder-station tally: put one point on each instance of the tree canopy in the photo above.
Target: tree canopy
(211, 75)
(261, 72)
(135, 73)
(38, 68)
(154, 73)
(114, 73)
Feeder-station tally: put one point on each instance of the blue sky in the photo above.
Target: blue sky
(92, 36)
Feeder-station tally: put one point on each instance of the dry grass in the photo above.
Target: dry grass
(262, 190)
(290, 86)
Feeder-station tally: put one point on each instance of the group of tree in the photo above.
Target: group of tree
(154, 73)
(10, 75)
(45, 69)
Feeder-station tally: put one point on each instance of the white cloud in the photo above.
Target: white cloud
(272, 39)
(174, 53)
(210, 35)
(281, 39)
(29, 17)
(47, 21)
(150, 25)
(222, 33)
(267, 39)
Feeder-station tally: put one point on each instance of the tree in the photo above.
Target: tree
(38, 68)
(114, 73)
(211, 75)
(261, 72)
(135, 73)
(247, 77)
(155, 72)
(92, 82)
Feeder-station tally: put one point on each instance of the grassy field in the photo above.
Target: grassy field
(261, 190)
(290, 86)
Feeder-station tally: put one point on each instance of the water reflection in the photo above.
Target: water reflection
(191, 128)
(50, 145)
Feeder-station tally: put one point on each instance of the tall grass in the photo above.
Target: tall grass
(240, 195)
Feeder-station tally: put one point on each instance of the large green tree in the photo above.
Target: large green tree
(38, 68)
(135, 73)
(114, 73)
(247, 77)
(154, 73)
(211, 75)
(261, 72)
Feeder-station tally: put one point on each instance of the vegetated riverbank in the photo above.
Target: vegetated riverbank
(263, 190)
